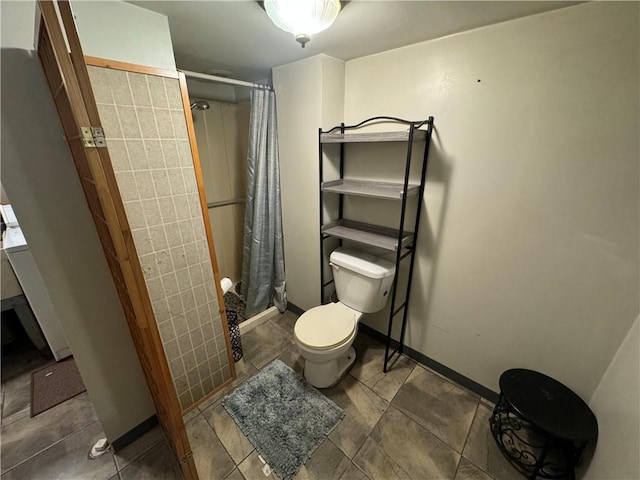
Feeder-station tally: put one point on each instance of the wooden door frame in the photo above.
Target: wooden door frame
(61, 56)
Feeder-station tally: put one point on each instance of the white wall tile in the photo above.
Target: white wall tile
(128, 121)
(158, 94)
(147, 121)
(139, 89)
(172, 87)
(120, 88)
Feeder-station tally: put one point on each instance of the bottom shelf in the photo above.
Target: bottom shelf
(367, 234)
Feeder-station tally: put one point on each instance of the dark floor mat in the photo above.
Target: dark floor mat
(52, 385)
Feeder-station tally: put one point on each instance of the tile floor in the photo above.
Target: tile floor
(409, 423)
(55, 443)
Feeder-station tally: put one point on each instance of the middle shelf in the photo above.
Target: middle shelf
(367, 234)
(371, 189)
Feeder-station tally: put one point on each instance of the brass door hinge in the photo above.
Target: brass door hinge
(186, 457)
(93, 137)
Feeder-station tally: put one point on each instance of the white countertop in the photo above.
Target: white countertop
(9, 217)
(14, 241)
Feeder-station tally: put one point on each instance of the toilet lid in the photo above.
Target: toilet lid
(325, 326)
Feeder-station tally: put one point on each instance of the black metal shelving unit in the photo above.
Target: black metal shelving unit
(400, 241)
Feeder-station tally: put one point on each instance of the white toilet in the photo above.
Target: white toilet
(324, 334)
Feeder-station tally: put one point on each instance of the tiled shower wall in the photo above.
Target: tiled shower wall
(145, 127)
(222, 133)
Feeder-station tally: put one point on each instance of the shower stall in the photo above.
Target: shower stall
(221, 117)
(222, 132)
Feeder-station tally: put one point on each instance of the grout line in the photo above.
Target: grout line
(342, 450)
(144, 453)
(358, 467)
(231, 472)
(404, 381)
(222, 443)
(442, 441)
(54, 443)
(2, 400)
(466, 439)
(26, 409)
(455, 474)
(115, 463)
(141, 453)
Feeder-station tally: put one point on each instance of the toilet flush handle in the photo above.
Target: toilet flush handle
(333, 265)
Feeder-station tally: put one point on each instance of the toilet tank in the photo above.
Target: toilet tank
(363, 281)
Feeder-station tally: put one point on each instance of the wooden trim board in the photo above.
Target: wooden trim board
(129, 67)
(205, 216)
(69, 83)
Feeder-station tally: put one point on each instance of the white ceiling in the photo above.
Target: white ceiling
(237, 36)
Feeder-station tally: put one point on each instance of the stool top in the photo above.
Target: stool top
(549, 405)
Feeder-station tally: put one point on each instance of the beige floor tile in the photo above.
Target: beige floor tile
(468, 471)
(212, 460)
(327, 462)
(286, 321)
(187, 417)
(227, 430)
(16, 396)
(369, 364)
(235, 475)
(251, 468)
(67, 459)
(362, 407)
(443, 408)
(28, 436)
(398, 447)
(264, 343)
(294, 360)
(19, 415)
(157, 464)
(353, 473)
(140, 446)
(481, 448)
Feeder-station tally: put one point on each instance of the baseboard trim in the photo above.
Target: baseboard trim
(434, 365)
(294, 308)
(422, 359)
(135, 433)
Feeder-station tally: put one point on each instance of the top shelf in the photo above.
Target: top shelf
(372, 137)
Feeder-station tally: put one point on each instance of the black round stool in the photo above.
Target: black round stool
(541, 426)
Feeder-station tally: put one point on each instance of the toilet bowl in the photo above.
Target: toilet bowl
(325, 334)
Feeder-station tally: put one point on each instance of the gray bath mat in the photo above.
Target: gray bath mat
(283, 416)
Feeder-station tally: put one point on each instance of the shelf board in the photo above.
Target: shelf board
(366, 137)
(363, 188)
(373, 235)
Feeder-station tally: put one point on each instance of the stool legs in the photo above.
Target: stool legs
(535, 453)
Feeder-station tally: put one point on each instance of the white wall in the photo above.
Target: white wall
(616, 404)
(309, 95)
(528, 254)
(40, 178)
(120, 31)
(528, 249)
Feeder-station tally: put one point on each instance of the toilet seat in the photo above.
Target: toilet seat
(325, 327)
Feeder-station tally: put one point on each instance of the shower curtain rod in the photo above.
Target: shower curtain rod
(231, 81)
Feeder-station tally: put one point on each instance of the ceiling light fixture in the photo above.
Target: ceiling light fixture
(302, 18)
